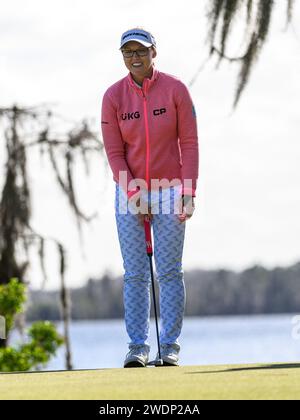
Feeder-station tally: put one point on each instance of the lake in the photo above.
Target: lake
(204, 340)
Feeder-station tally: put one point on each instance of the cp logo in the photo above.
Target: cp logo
(159, 111)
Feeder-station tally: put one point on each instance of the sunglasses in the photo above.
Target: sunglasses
(141, 52)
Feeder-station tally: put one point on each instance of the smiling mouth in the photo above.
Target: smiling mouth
(137, 64)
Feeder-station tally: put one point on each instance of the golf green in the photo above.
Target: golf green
(264, 381)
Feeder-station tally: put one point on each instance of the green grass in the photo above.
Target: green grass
(273, 381)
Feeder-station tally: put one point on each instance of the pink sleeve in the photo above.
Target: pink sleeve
(113, 143)
(188, 138)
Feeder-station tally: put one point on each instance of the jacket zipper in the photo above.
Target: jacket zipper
(147, 139)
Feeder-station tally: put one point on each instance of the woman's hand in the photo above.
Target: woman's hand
(188, 208)
(144, 211)
(139, 207)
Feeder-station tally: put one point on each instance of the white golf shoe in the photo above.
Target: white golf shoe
(169, 354)
(138, 356)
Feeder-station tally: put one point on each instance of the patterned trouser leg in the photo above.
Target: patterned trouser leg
(136, 292)
(168, 235)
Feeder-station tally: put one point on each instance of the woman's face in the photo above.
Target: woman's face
(139, 66)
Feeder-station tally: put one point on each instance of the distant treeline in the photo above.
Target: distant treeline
(255, 290)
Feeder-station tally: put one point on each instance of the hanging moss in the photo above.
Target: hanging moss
(222, 14)
(17, 236)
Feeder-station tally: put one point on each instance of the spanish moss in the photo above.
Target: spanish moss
(17, 236)
(222, 14)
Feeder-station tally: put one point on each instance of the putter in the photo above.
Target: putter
(147, 227)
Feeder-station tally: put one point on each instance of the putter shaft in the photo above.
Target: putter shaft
(148, 237)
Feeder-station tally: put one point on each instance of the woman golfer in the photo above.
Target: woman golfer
(150, 136)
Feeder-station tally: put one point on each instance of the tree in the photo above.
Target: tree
(16, 234)
(43, 337)
(222, 15)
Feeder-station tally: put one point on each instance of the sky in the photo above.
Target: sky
(65, 54)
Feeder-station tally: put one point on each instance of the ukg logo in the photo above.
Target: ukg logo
(2, 328)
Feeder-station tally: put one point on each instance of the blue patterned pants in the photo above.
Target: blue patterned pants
(168, 239)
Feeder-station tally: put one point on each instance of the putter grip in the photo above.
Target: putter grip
(147, 226)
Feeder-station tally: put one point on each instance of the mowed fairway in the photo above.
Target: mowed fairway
(273, 381)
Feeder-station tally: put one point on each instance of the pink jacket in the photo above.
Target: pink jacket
(151, 133)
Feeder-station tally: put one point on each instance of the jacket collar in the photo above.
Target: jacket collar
(147, 83)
